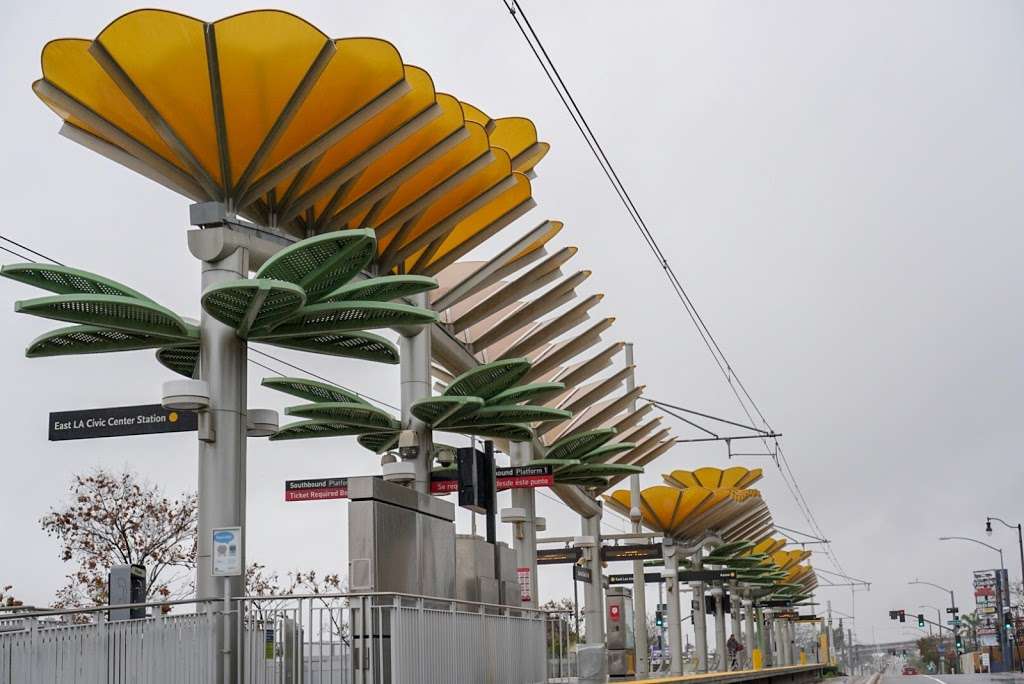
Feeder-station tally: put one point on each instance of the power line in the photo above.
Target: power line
(742, 395)
(29, 250)
(20, 256)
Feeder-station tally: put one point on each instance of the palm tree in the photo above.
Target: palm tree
(969, 622)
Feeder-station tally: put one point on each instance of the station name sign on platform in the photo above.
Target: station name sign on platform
(119, 421)
(516, 477)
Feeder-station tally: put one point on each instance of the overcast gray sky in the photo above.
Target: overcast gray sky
(838, 185)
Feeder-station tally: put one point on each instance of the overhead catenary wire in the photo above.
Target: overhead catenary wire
(733, 380)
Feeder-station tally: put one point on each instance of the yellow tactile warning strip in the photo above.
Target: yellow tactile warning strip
(737, 675)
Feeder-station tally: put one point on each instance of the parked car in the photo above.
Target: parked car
(909, 670)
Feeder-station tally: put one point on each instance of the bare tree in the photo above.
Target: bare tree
(117, 518)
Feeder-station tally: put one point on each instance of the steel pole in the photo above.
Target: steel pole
(734, 614)
(748, 630)
(700, 624)
(675, 627)
(593, 656)
(643, 651)
(414, 357)
(221, 495)
(720, 638)
(525, 542)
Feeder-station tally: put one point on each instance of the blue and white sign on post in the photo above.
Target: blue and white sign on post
(227, 552)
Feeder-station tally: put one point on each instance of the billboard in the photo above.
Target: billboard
(991, 598)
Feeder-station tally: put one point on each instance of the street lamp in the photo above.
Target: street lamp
(1001, 565)
(1020, 537)
(952, 604)
(1003, 637)
(938, 617)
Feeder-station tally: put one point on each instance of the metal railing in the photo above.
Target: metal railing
(81, 646)
(308, 639)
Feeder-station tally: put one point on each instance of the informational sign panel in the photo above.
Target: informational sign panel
(991, 597)
(706, 575)
(523, 577)
(631, 552)
(227, 552)
(582, 574)
(320, 489)
(627, 578)
(316, 489)
(552, 556)
(119, 421)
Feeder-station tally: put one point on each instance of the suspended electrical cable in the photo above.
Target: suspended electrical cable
(29, 250)
(733, 380)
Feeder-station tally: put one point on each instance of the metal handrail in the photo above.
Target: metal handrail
(281, 597)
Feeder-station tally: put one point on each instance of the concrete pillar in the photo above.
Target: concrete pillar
(525, 541)
(414, 357)
(700, 622)
(720, 636)
(749, 642)
(675, 628)
(734, 615)
(222, 468)
(593, 656)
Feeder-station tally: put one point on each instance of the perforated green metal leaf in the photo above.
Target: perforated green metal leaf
(535, 392)
(65, 280)
(89, 339)
(378, 442)
(309, 429)
(252, 304)
(733, 562)
(111, 311)
(355, 345)
(434, 410)
(511, 413)
(181, 360)
(575, 446)
(515, 433)
(607, 451)
(489, 379)
(324, 263)
(312, 390)
(356, 414)
(383, 289)
(337, 317)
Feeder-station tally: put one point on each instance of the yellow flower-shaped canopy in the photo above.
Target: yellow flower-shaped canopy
(294, 130)
(767, 546)
(692, 512)
(736, 477)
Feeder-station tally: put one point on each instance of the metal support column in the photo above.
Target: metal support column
(221, 496)
(593, 656)
(675, 627)
(525, 542)
(643, 651)
(414, 356)
(720, 638)
(734, 614)
(700, 619)
(748, 631)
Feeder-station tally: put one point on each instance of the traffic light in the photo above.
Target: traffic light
(903, 616)
(959, 644)
(920, 619)
(659, 619)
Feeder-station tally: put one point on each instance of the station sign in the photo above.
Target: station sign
(316, 489)
(582, 574)
(516, 477)
(627, 578)
(631, 552)
(119, 421)
(706, 575)
(555, 556)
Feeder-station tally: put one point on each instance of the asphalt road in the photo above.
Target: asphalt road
(896, 678)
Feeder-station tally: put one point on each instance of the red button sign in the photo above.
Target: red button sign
(613, 613)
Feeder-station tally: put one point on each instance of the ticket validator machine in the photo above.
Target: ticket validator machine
(621, 639)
